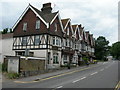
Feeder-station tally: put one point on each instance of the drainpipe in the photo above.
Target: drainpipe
(46, 61)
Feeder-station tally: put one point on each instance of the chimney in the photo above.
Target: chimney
(46, 8)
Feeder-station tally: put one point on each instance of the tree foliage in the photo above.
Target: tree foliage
(6, 30)
(115, 50)
(101, 48)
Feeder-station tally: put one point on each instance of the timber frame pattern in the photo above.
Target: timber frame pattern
(55, 34)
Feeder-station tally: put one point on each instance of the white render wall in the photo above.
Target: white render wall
(6, 48)
(39, 53)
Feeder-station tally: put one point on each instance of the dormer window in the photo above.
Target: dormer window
(37, 24)
(67, 31)
(55, 27)
(24, 26)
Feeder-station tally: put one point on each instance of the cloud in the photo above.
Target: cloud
(98, 16)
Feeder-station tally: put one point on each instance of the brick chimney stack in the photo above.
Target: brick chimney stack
(46, 8)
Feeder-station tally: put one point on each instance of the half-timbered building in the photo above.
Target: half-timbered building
(41, 33)
(68, 42)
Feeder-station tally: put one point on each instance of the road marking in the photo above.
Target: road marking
(117, 86)
(94, 73)
(66, 73)
(60, 87)
(79, 79)
(101, 69)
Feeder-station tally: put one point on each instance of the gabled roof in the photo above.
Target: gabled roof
(92, 40)
(46, 18)
(87, 37)
(65, 22)
(75, 29)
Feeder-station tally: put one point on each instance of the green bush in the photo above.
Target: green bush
(13, 75)
(4, 67)
(0, 67)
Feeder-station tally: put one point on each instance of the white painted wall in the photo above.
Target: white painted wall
(39, 53)
(6, 48)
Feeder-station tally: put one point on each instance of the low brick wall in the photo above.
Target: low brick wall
(31, 67)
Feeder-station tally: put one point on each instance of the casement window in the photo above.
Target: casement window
(37, 40)
(53, 40)
(75, 45)
(80, 46)
(67, 31)
(56, 41)
(55, 58)
(24, 26)
(65, 59)
(37, 24)
(24, 40)
(67, 43)
(20, 53)
(55, 27)
(71, 44)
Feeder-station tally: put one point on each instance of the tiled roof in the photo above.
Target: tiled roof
(47, 17)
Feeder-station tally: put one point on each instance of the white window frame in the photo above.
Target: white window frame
(38, 40)
(37, 26)
(24, 41)
(56, 41)
(68, 31)
(55, 27)
(25, 26)
(55, 58)
(65, 59)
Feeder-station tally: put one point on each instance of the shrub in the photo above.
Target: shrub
(4, 67)
(13, 75)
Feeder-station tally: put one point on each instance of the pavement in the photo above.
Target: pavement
(45, 75)
(101, 75)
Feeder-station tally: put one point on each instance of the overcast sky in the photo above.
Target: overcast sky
(100, 17)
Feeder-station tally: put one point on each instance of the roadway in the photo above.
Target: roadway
(101, 75)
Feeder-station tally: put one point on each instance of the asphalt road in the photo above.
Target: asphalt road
(101, 75)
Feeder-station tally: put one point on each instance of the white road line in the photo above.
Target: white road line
(79, 79)
(101, 69)
(60, 87)
(94, 73)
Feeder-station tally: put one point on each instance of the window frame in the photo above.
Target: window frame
(37, 26)
(38, 38)
(25, 26)
(55, 58)
(24, 41)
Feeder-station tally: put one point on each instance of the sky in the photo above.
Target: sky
(99, 17)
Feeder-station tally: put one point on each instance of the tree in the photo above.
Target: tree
(5, 31)
(11, 30)
(101, 48)
(115, 50)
